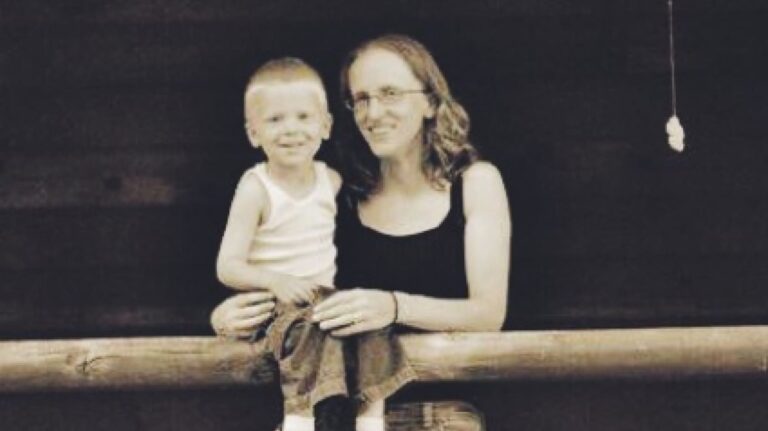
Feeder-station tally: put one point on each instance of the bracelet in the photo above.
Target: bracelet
(397, 307)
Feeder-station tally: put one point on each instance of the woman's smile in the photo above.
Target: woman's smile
(380, 130)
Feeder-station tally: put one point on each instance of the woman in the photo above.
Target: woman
(421, 217)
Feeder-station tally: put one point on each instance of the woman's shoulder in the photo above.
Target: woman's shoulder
(480, 173)
(483, 185)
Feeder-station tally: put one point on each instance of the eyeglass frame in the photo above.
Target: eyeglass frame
(394, 95)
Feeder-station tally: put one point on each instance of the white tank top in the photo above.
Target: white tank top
(297, 237)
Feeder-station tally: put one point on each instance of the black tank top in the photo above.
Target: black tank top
(427, 263)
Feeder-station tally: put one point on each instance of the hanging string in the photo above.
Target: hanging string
(671, 20)
(675, 132)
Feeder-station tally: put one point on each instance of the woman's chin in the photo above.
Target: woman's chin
(385, 147)
(381, 148)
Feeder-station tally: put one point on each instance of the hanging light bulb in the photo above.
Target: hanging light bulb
(675, 132)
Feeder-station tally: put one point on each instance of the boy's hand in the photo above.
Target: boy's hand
(294, 290)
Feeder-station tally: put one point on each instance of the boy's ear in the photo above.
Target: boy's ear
(251, 136)
(327, 125)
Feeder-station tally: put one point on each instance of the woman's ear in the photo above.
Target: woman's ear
(432, 110)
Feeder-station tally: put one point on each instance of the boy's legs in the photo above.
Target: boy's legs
(382, 369)
(311, 364)
(370, 416)
(295, 422)
(318, 368)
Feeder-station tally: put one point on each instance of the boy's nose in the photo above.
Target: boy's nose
(291, 126)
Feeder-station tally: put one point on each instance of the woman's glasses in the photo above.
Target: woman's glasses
(387, 97)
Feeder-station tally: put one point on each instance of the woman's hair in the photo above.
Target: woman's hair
(446, 135)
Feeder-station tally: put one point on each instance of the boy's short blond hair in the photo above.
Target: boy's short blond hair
(287, 70)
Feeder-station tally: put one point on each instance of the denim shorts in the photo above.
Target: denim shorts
(315, 365)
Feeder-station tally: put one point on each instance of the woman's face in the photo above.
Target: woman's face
(392, 128)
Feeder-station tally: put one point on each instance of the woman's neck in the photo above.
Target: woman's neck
(403, 174)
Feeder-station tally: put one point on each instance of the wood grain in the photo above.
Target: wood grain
(143, 363)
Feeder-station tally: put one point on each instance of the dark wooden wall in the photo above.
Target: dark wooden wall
(121, 141)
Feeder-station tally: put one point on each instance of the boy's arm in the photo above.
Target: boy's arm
(249, 208)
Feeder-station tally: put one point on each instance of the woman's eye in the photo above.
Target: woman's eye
(391, 93)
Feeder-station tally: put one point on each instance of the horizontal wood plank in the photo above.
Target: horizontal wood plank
(119, 237)
(331, 10)
(122, 119)
(137, 45)
(121, 179)
(151, 363)
(23, 321)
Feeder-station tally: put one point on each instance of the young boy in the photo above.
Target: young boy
(279, 235)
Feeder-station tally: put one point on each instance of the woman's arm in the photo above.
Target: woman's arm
(487, 242)
(240, 314)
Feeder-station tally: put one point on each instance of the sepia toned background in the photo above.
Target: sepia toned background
(121, 141)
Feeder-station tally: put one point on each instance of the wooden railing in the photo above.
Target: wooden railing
(179, 362)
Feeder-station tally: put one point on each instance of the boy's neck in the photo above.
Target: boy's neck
(297, 181)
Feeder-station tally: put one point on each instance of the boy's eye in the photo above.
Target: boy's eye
(274, 119)
(304, 116)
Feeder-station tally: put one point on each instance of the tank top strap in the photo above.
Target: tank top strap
(260, 171)
(323, 180)
(456, 213)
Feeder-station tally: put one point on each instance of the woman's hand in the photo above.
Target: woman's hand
(350, 312)
(240, 314)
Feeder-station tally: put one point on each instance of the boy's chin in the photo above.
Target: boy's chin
(287, 163)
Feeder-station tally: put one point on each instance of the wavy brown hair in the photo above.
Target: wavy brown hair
(446, 135)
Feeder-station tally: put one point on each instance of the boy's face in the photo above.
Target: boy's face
(288, 121)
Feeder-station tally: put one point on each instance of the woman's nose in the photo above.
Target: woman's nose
(374, 108)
